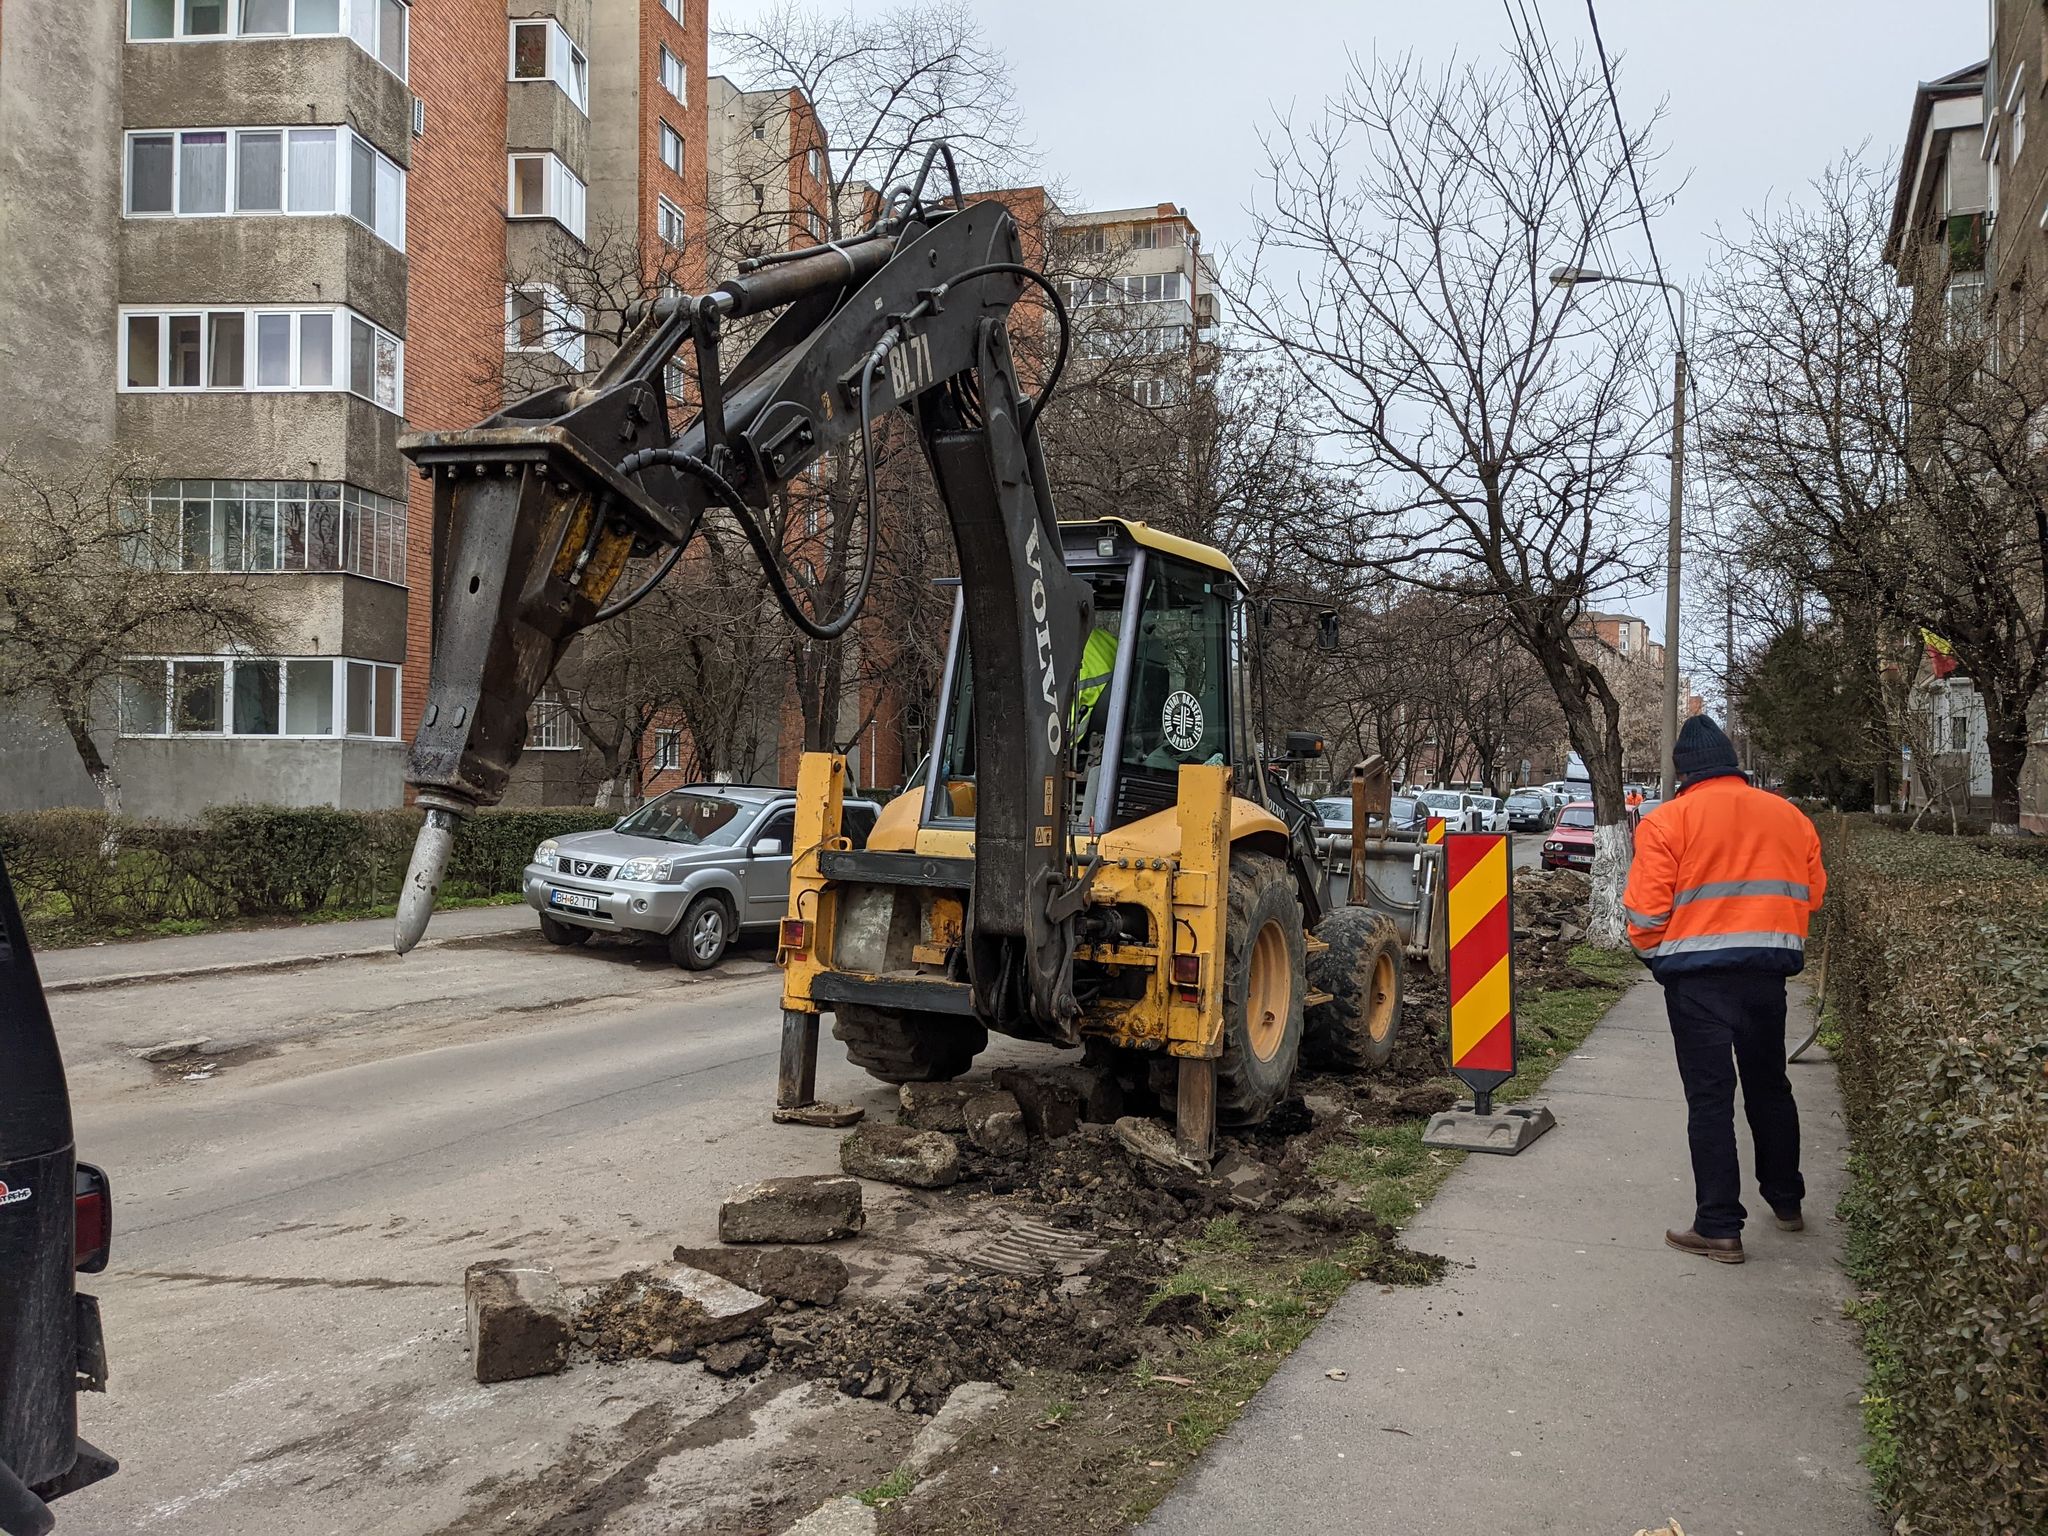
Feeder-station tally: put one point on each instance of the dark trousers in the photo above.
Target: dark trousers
(1723, 1022)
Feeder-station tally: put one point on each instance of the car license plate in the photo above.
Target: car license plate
(1582, 858)
(575, 901)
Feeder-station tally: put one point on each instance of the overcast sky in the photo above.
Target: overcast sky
(1139, 104)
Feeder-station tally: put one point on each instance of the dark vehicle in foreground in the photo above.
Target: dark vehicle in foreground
(1570, 844)
(692, 867)
(56, 1214)
(1529, 810)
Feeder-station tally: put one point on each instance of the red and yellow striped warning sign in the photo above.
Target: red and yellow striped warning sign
(1433, 829)
(1481, 971)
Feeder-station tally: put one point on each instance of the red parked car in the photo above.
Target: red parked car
(1570, 843)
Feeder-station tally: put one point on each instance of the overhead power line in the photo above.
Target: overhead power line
(1628, 161)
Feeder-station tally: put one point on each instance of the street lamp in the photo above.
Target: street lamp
(1569, 277)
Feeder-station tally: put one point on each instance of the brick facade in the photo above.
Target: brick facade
(455, 215)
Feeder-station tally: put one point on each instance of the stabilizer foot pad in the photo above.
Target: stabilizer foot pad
(818, 1112)
(1506, 1131)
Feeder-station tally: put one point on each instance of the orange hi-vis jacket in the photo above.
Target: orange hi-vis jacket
(1725, 878)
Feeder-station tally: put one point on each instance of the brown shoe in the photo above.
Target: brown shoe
(1789, 1220)
(1722, 1250)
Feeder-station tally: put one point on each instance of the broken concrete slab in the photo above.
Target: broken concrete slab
(843, 1516)
(1150, 1142)
(802, 1208)
(965, 1406)
(734, 1357)
(516, 1320)
(819, 1113)
(995, 1124)
(896, 1154)
(784, 1274)
(935, 1106)
(715, 1310)
(1049, 1099)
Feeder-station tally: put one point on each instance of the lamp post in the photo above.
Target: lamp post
(1567, 277)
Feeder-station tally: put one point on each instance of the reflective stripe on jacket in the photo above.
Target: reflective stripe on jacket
(1725, 878)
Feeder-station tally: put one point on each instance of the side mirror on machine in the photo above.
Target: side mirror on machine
(1326, 630)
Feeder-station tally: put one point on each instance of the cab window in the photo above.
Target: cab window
(1178, 712)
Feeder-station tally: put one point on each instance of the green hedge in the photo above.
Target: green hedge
(80, 872)
(1937, 989)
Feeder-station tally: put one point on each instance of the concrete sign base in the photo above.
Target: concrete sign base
(1506, 1131)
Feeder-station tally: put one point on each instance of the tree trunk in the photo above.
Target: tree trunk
(2006, 742)
(101, 772)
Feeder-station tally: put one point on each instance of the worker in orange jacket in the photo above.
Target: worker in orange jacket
(1724, 881)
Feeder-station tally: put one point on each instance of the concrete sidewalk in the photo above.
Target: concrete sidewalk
(256, 949)
(1572, 1374)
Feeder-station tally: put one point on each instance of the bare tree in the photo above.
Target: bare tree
(1495, 422)
(1882, 422)
(88, 583)
(871, 93)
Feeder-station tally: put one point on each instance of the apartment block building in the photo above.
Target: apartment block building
(1140, 290)
(253, 241)
(1969, 230)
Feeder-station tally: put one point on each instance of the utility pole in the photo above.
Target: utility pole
(1568, 277)
(1669, 786)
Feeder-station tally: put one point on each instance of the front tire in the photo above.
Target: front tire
(1264, 985)
(1355, 1030)
(908, 1047)
(701, 939)
(568, 935)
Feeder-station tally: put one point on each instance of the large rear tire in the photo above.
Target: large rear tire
(1356, 1029)
(1265, 982)
(908, 1047)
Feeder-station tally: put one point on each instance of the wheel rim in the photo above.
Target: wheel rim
(1268, 993)
(708, 936)
(1379, 1019)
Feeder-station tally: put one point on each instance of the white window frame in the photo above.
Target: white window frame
(675, 79)
(386, 675)
(340, 355)
(564, 331)
(562, 190)
(549, 725)
(675, 9)
(664, 136)
(361, 21)
(670, 222)
(345, 139)
(568, 66)
(370, 530)
(668, 749)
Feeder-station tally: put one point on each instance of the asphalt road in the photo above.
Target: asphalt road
(284, 1307)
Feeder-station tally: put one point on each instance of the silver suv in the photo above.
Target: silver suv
(693, 866)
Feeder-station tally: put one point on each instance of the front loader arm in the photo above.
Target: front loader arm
(539, 510)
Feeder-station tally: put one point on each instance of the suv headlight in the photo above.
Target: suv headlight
(654, 871)
(547, 853)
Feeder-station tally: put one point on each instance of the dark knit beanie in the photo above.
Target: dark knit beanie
(1703, 751)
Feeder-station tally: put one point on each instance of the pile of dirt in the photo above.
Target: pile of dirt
(632, 1318)
(969, 1327)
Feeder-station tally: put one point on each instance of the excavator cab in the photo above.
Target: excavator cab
(1206, 965)
(1165, 681)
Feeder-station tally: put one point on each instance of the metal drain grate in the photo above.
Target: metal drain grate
(1032, 1247)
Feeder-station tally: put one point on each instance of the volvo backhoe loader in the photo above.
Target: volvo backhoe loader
(1108, 863)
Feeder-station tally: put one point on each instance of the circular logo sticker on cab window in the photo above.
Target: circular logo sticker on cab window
(1181, 720)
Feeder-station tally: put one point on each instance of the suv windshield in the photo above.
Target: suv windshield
(1335, 809)
(1576, 816)
(1443, 799)
(683, 816)
(1524, 802)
